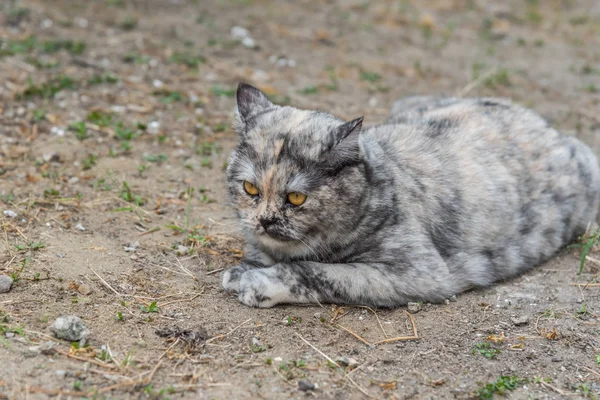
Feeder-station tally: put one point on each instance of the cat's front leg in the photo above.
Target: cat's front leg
(374, 284)
(254, 259)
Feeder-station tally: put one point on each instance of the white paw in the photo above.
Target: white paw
(231, 278)
(263, 289)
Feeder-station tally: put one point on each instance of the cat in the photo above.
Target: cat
(446, 195)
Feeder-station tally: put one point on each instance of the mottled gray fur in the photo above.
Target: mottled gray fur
(446, 195)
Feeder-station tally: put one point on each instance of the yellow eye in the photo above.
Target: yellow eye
(296, 198)
(250, 188)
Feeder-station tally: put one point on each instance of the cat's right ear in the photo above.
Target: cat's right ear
(250, 102)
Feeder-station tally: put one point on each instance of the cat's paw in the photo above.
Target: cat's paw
(262, 288)
(230, 280)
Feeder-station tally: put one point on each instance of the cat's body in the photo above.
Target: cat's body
(447, 194)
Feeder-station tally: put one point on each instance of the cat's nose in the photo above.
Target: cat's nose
(266, 222)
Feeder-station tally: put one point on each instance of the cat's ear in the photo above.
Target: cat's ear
(348, 130)
(345, 148)
(250, 101)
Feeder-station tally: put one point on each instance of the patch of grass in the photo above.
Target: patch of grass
(31, 246)
(14, 47)
(206, 163)
(120, 316)
(485, 349)
(99, 118)
(128, 23)
(220, 127)
(102, 78)
(586, 391)
(257, 349)
(50, 193)
(188, 59)
(128, 196)
(208, 148)
(152, 308)
(36, 62)
(500, 78)
(500, 386)
(598, 359)
(39, 115)
(89, 162)
(586, 242)
(80, 130)
(370, 76)
(49, 89)
(155, 158)
(289, 320)
(591, 88)
(73, 47)
(218, 90)
(135, 58)
(309, 90)
(168, 97)
(124, 133)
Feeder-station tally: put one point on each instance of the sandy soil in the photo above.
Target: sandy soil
(114, 132)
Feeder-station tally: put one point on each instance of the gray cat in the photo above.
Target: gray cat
(446, 195)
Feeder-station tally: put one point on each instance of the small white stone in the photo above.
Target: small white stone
(47, 23)
(248, 42)
(58, 131)
(118, 109)
(5, 283)
(153, 128)
(80, 227)
(291, 63)
(9, 213)
(82, 22)
(157, 83)
(239, 33)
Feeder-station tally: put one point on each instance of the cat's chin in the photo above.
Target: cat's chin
(288, 247)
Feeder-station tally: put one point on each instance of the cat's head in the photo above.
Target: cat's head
(296, 177)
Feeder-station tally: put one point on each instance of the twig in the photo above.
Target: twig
(230, 332)
(477, 82)
(179, 301)
(169, 348)
(194, 277)
(356, 335)
(378, 320)
(214, 271)
(69, 355)
(557, 390)
(136, 382)
(362, 390)
(40, 334)
(57, 392)
(415, 335)
(591, 370)
(105, 283)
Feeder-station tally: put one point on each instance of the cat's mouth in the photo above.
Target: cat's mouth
(278, 236)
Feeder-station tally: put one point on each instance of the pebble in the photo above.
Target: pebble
(71, 328)
(84, 289)
(61, 373)
(306, 385)
(238, 33)
(414, 307)
(55, 130)
(453, 299)
(182, 250)
(5, 283)
(9, 213)
(447, 301)
(347, 362)
(79, 227)
(73, 180)
(131, 246)
(520, 320)
(153, 128)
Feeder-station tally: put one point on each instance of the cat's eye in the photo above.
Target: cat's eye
(296, 198)
(250, 188)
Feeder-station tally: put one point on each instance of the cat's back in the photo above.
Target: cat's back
(488, 179)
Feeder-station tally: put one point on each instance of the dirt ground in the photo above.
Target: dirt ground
(114, 133)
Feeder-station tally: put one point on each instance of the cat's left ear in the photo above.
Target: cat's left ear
(250, 101)
(349, 129)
